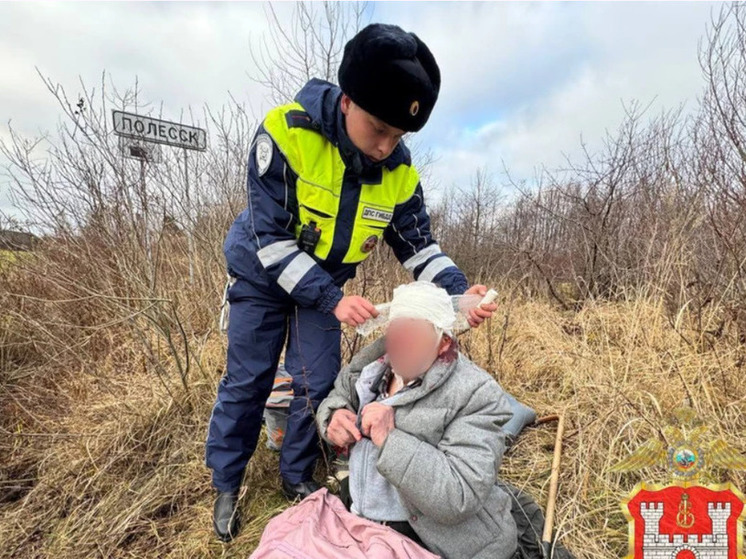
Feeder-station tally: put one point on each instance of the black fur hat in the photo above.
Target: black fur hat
(391, 74)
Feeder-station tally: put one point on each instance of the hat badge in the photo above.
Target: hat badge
(414, 108)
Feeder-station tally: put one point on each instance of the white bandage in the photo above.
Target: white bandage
(426, 301)
(423, 299)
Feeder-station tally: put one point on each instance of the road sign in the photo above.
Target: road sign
(144, 128)
(140, 150)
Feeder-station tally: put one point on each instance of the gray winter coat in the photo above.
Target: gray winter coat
(443, 456)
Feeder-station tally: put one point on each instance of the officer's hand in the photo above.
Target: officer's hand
(378, 422)
(479, 314)
(342, 430)
(354, 310)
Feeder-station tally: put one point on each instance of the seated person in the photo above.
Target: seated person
(423, 424)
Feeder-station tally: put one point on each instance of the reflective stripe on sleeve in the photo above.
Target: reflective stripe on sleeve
(435, 267)
(421, 257)
(294, 271)
(272, 254)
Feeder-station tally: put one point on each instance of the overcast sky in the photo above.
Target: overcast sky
(521, 82)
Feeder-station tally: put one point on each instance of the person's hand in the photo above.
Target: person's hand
(342, 430)
(378, 422)
(477, 315)
(354, 310)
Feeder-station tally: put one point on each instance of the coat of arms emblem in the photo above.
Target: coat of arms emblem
(688, 518)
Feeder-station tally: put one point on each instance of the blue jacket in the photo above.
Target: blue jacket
(251, 246)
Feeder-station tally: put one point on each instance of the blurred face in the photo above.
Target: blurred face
(371, 135)
(412, 346)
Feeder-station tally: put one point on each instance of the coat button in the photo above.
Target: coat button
(413, 518)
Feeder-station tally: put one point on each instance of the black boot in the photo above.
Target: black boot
(225, 517)
(299, 490)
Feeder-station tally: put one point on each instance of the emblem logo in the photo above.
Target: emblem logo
(369, 244)
(263, 153)
(686, 519)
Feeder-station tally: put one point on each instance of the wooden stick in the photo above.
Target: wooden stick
(553, 483)
(545, 419)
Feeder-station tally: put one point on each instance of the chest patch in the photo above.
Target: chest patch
(369, 244)
(377, 215)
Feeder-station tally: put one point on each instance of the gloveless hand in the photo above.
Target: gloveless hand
(342, 430)
(378, 422)
(477, 315)
(354, 310)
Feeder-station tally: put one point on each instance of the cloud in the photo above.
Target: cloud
(543, 75)
(521, 81)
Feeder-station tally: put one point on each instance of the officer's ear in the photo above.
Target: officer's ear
(345, 104)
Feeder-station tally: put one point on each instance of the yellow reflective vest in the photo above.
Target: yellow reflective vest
(320, 175)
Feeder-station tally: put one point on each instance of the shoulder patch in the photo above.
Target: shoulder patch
(264, 151)
(300, 119)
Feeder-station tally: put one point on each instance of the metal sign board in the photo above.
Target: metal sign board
(140, 150)
(144, 128)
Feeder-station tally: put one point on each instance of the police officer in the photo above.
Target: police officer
(328, 179)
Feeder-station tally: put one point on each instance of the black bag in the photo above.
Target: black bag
(529, 520)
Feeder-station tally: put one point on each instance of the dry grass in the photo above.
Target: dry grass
(103, 463)
(109, 357)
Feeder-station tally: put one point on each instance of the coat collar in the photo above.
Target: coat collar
(435, 377)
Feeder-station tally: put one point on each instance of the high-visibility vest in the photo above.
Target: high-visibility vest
(320, 170)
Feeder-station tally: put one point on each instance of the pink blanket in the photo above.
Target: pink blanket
(320, 527)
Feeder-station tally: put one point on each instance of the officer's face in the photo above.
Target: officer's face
(371, 135)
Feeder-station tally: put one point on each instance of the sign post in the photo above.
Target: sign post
(158, 131)
(140, 137)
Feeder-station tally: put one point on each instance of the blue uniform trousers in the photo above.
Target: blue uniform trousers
(261, 321)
